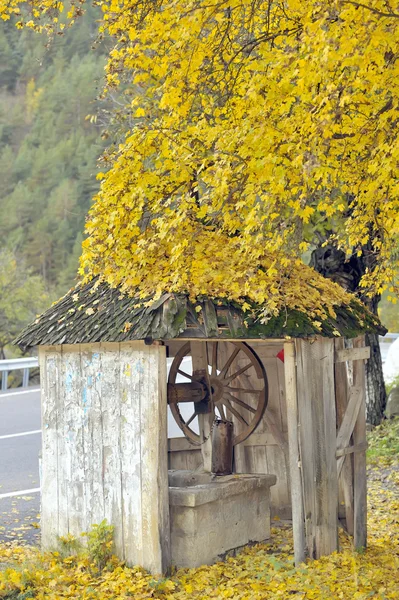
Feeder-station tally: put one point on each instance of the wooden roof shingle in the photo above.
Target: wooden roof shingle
(95, 312)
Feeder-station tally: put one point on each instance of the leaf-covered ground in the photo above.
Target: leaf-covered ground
(260, 572)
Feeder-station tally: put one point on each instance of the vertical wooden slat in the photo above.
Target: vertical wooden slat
(111, 416)
(316, 405)
(73, 421)
(62, 468)
(306, 442)
(250, 456)
(92, 432)
(327, 482)
(131, 396)
(298, 524)
(200, 364)
(341, 400)
(49, 361)
(360, 473)
(145, 502)
(154, 457)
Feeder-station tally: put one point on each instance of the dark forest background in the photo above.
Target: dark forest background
(50, 141)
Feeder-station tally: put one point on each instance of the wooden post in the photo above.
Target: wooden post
(359, 437)
(200, 366)
(341, 399)
(317, 419)
(105, 447)
(298, 524)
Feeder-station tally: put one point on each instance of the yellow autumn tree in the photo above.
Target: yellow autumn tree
(253, 123)
(254, 127)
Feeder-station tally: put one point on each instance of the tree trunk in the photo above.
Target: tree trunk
(333, 264)
(376, 397)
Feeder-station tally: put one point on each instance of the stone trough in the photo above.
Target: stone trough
(210, 515)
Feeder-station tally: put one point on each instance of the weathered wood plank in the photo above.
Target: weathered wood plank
(306, 443)
(181, 445)
(341, 400)
(154, 461)
(112, 459)
(276, 461)
(91, 399)
(348, 422)
(131, 384)
(298, 523)
(327, 482)
(316, 405)
(74, 423)
(281, 387)
(48, 358)
(248, 456)
(63, 468)
(352, 449)
(346, 354)
(187, 460)
(200, 365)
(359, 459)
(266, 438)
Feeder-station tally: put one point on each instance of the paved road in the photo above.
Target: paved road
(20, 441)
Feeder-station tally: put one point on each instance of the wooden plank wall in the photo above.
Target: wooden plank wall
(264, 451)
(104, 453)
(317, 425)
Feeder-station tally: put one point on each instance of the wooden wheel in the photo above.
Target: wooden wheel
(228, 381)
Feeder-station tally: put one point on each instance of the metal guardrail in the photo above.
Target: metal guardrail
(17, 364)
(385, 342)
(388, 338)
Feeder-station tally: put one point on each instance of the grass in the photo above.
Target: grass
(383, 443)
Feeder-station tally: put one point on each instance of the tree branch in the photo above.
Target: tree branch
(371, 9)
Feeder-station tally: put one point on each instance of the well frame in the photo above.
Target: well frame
(105, 446)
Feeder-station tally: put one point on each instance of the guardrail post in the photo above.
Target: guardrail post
(25, 378)
(4, 379)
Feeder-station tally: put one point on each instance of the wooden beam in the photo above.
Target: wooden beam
(351, 449)
(200, 365)
(298, 523)
(185, 338)
(352, 354)
(348, 423)
(359, 459)
(341, 400)
(317, 418)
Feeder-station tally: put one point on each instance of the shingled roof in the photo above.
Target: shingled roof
(95, 312)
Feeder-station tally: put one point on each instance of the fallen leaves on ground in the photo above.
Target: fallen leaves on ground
(260, 572)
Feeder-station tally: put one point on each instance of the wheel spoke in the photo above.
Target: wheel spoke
(220, 408)
(237, 373)
(229, 362)
(185, 374)
(226, 391)
(240, 402)
(191, 419)
(235, 412)
(214, 358)
(243, 390)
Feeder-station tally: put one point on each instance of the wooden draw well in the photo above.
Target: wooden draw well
(297, 405)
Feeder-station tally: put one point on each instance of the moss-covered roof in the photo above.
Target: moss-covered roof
(95, 312)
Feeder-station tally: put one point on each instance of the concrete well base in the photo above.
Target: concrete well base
(211, 515)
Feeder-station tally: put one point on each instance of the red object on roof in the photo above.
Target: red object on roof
(280, 355)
